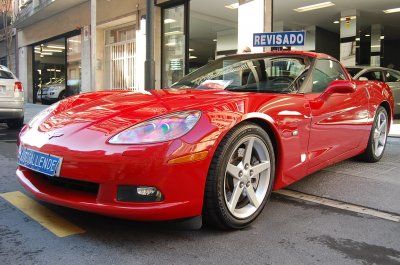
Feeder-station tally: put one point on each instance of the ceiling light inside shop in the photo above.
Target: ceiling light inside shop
(375, 46)
(56, 47)
(76, 41)
(367, 35)
(191, 50)
(51, 50)
(215, 40)
(176, 32)
(336, 22)
(313, 7)
(46, 53)
(192, 57)
(357, 39)
(171, 44)
(233, 6)
(169, 21)
(382, 37)
(392, 10)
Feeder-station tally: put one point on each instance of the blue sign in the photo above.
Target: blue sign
(279, 39)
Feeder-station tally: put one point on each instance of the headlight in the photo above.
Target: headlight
(160, 129)
(42, 115)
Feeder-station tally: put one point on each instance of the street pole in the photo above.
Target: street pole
(149, 64)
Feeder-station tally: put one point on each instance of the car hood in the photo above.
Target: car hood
(110, 112)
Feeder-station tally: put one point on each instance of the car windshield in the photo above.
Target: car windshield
(353, 71)
(273, 74)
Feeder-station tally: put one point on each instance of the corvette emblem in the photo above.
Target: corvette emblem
(55, 135)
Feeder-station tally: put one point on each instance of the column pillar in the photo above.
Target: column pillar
(93, 54)
(247, 27)
(25, 65)
(376, 45)
(348, 33)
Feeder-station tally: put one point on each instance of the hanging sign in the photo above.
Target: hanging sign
(277, 39)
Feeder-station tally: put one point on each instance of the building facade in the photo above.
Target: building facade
(89, 45)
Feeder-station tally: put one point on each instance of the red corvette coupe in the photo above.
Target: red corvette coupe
(214, 145)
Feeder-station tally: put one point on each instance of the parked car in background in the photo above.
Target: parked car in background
(11, 99)
(56, 90)
(389, 76)
(215, 144)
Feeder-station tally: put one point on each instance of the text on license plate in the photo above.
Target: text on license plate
(43, 163)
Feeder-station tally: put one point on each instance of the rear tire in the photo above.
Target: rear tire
(15, 123)
(378, 137)
(239, 181)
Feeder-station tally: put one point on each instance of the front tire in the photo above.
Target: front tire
(240, 178)
(378, 137)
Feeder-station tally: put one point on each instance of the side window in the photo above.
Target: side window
(392, 76)
(5, 75)
(324, 73)
(373, 75)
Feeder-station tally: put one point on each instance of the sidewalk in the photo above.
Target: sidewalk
(32, 109)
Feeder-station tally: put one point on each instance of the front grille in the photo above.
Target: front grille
(72, 184)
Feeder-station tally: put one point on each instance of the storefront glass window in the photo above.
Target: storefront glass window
(213, 32)
(173, 45)
(57, 69)
(49, 71)
(74, 56)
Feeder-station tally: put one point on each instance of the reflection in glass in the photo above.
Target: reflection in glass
(74, 56)
(173, 48)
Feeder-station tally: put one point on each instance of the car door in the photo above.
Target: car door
(339, 121)
(392, 78)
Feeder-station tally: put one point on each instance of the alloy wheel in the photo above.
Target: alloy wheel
(380, 134)
(247, 177)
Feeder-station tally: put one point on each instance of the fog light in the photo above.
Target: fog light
(138, 194)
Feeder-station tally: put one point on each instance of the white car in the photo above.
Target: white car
(56, 90)
(389, 76)
(52, 92)
(11, 99)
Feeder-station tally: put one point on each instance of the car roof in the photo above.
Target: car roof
(284, 53)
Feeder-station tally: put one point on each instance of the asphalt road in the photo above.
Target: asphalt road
(289, 231)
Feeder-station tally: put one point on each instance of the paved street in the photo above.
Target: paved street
(289, 231)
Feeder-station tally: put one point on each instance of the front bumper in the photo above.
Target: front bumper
(182, 186)
(9, 113)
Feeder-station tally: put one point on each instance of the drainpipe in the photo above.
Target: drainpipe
(149, 64)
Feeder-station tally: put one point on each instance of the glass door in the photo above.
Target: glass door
(173, 44)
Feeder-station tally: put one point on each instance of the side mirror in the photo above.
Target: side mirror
(340, 87)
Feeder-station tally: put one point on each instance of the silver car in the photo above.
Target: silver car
(389, 76)
(11, 99)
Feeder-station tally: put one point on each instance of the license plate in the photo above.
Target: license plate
(40, 162)
(2, 89)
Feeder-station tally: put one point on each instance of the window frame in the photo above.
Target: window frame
(388, 71)
(372, 71)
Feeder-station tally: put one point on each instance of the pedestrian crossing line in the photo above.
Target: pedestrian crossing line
(339, 205)
(45, 217)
